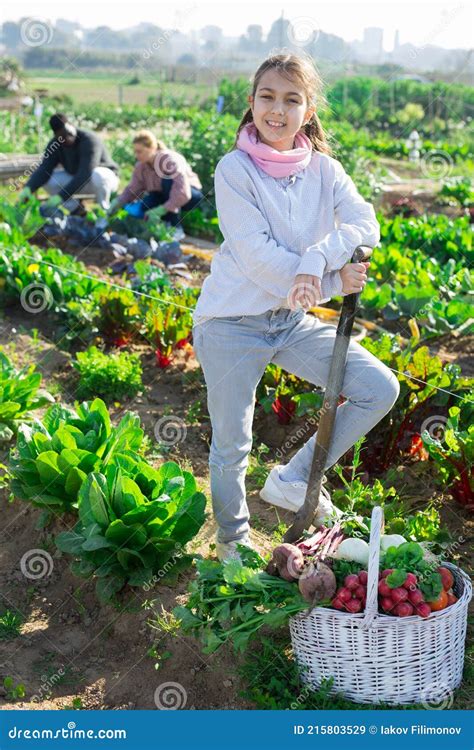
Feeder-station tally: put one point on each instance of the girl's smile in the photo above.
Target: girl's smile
(279, 110)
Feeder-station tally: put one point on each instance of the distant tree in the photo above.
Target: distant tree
(11, 74)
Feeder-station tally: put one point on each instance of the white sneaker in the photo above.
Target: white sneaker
(291, 495)
(229, 551)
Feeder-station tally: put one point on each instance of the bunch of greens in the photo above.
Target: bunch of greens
(233, 600)
(133, 530)
(54, 456)
(168, 323)
(423, 378)
(64, 277)
(287, 395)
(118, 317)
(453, 452)
(358, 499)
(20, 393)
(408, 558)
(149, 277)
(459, 189)
(109, 376)
(24, 218)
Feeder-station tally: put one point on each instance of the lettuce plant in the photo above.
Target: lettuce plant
(54, 456)
(20, 393)
(133, 530)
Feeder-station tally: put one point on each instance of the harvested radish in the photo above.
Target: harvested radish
(399, 595)
(351, 582)
(384, 588)
(360, 592)
(451, 598)
(415, 597)
(404, 609)
(387, 604)
(423, 609)
(337, 603)
(387, 572)
(363, 577)
(317, 583)
(410, 581)
(354, 606)
(344, 594)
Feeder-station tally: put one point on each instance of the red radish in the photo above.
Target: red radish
(415, 597)
(363, 577)
(451, 598)
(399, 595)
(384, 589)
(344, 595)
(423, 609)
(410, 581)
(354, 606)
(337, 603)
(387, 604)
(360, 592)
(404, 609)
(351, 582)
(387, 572)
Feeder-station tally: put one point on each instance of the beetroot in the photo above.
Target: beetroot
(317, 583)
(289, 561)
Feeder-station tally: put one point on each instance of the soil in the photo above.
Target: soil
(70, 647)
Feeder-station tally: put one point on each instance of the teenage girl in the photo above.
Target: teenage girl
(291, 219)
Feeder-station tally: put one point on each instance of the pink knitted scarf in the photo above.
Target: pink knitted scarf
(273, 162)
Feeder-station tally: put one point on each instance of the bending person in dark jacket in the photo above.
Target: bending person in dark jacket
(86, 167)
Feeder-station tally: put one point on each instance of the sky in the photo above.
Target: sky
(419, 22)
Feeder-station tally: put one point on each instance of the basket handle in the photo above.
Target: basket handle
(376, 529)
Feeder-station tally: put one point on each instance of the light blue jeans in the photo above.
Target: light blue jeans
(234, 352)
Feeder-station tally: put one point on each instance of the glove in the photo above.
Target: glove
(53, 201)
(114, 207)
(155, 214)
(24, 195)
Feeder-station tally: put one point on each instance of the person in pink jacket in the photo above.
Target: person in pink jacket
(161, 177)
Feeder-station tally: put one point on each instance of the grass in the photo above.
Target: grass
(103, 87)
(273, 683)
(10, 625)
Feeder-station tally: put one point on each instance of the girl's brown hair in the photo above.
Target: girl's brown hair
(149, 140)
(302, 70)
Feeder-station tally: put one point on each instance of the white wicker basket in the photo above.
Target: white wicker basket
(380, 658)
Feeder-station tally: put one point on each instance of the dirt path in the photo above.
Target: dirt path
(70, 647)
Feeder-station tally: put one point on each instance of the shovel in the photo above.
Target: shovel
(306, 513)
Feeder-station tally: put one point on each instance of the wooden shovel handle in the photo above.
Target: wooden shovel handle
(304, 517)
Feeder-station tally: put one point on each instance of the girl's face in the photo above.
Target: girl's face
(280, 109)
(143, 153)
